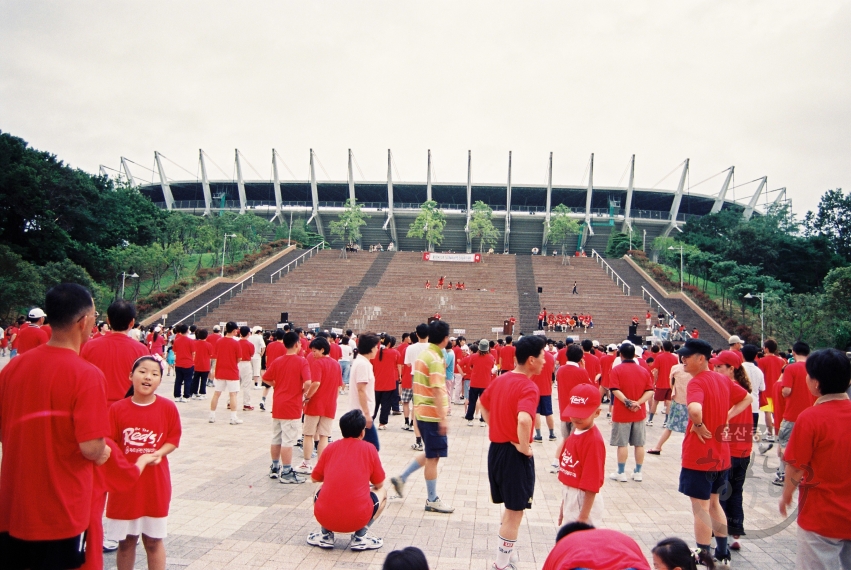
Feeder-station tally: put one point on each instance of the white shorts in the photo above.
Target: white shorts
(152, 527)
(228, 386)
(285, 432)
(255, 365)
(318, 425)
(574, 499)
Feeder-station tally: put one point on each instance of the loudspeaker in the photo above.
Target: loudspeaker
(633, 330)
(540, 289)
(285, 318)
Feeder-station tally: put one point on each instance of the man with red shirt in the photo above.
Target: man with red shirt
(506, 356)
(592, 362)
(508, 405)
(51, 444)
(245, 367)
(663, 361)
(544, 381)
(387, 367)
(712, 399)
(320, 401)
(228, 355)
(203, 353)
(274, 350)
(631, 386)
(184, 362)
(817, 457)
(478, 367)
(33, 335)
(798, 398)
(542, 319)
(772, 368)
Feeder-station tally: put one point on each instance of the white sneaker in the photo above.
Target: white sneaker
(235, 421)
(365, 542)
(304, 469)
(553, 467)
(470, 423)
(110, 545)
(212, 419)
(649, 422)
(637, 476)
(438, 506)
(620, 477)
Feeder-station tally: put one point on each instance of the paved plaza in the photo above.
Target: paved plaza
(227, 513)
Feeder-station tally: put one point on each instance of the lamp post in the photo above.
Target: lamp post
(224, 243)
(761, 297)
(681, 264)
(125, 276)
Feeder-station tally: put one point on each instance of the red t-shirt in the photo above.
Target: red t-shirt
(51, 400)
(305, 346)
(740, 433)
(327, 372)
(31, 337)
(568, 377)
(212, 339)
(288, 375)
(274, 350)
(592, 365)
(335, 351)
(407, 379)
(386, 369)
(479, 368)
(144, 429)
(632, 380)
(795, 377)
(183, 347)
(508, 395)
(663, 362)
(772, 367)
(717, 394)
(246, 350)
(156, 346)
(544, 380)
(583, 460)
(346, 468)
(9, 333)
(599, 548)
(561, 356)
(228, 355)
(606, 362)
(459, 353)
(114, 354)
(506, 356)
(822, 451)
(203, 356)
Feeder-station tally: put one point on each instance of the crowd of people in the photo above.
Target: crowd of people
(80, 419)
(443, 284)
(564, 321)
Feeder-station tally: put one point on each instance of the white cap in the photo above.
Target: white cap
(257, 329)
(36, 313)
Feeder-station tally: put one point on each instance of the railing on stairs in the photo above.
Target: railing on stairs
(218, 300)
(675, 324)
(294, 263)
(611, 272)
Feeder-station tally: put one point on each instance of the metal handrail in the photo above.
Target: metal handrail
(674, 322)
(308, 253)
(206, 306)
(618, 279)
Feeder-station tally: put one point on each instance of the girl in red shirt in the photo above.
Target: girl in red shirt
(143, 423)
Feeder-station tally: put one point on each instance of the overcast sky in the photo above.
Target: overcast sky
(762, 85)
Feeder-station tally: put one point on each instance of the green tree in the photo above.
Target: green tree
(428, 225)
(833, 221)
(347, 226)
(20, 283)
(481, 226)
(562, 226)
(618, 244)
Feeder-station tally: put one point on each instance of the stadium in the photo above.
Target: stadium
(521, 211)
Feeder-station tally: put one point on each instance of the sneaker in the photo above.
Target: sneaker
(256, 387)
(408, 427)
(274, 470)
(247, 408)
(649, 422)
(482, 423)
(202, 397)
(608, 414)
(437, 506)
(769, 437)
(321, 539)
(313, 455)
(299, 443)
(262, 406)
(110, 545)
(382, 427)
(210, 384)
(538, 439)
(553, 437)
(510, 566)
(396, 413)
(764, 447)
(779, 480)
(637, 476)
(305, 468)
(290, 478)
(235, 422)
(417, 446)
(470, 423)
(212, 420)
(620, 477)
(723, 563)
(398, 485)
(553, 467)
(179, 399)
(365, 542)
(735, 545)
(665, 425)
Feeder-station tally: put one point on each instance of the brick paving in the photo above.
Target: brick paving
(227, 513)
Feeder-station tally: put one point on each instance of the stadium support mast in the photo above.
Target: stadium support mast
(508, 206)
(428, 177)
(276, 184)
(627, 213)
(469, 200)
(588, 196)
(169, 199)
(351, 179)
(678, 198)
(391, 219)
(205, 184)
(549, 205)
(103, 171)
(719, 201)
(780, 196)
(754, 199)
(126, 168)
(314, 194)
(240, 184)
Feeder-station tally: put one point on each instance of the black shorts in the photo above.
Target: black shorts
(17, 554)
(512, 476)
(701, 484)
(435, 445)
(545, 405)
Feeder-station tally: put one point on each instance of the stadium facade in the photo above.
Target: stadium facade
(521, 211)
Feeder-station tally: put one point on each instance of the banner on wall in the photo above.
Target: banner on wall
(457, 257)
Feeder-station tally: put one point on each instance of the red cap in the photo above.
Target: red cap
(728, 357)
(583, 401)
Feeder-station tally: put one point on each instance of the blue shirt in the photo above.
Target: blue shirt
(449, 359)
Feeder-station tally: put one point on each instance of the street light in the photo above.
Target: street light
(761, 297)
(224, 243)
(681, 265)
(125, 276)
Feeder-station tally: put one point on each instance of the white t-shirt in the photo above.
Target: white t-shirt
(259, 345)
(757, 383)
(361, 372)
(347, 351)
(413, 353)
